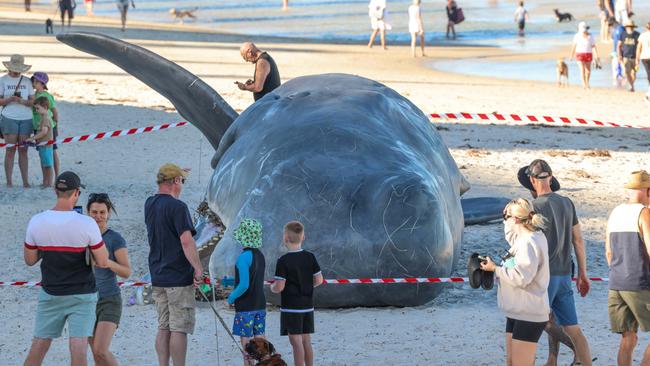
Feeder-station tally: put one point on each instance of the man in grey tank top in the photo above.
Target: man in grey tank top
(627, 248)
(562, 233)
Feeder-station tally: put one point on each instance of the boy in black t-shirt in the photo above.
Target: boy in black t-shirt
(296, 275)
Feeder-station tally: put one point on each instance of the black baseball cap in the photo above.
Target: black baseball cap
(537, 169)
(68, 181)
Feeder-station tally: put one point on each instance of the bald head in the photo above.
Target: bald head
(249, 51)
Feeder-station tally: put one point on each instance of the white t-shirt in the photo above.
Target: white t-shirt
(7, 88)
(376, 9)
(584, 45)
(520, 14)
(644, 40)
(414, 19)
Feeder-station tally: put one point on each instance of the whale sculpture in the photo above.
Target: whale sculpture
(357, 163)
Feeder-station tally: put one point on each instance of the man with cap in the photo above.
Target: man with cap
(266, 77)
(174, 264)
(64, 241)
(627, 249)
(16, 100)
(626, 49)
(562, 233)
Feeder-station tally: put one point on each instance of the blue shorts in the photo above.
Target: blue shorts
(10, 126)
(52, 313)
(249, 323)
(560, 297)
(47, 156)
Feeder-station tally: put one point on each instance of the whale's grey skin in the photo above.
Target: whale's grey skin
(356, 162)
(361, 167)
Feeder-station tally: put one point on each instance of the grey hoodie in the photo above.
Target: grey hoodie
(523, 282)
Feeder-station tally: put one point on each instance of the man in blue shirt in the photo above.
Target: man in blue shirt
(173, 263)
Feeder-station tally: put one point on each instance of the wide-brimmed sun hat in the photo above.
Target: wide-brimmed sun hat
(539, 169)
(249, 233)
(16, 64)
(629, 24)
(638, 180)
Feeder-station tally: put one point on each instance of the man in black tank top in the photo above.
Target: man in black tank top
(266, 77)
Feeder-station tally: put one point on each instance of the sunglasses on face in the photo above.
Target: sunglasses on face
(506, 217)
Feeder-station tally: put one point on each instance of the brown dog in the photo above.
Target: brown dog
(562, 73)
(264, 353)
(181, 14)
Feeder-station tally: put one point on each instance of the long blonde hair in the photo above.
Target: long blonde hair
(522, 209)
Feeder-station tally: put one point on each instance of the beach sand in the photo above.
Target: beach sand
(461, 327)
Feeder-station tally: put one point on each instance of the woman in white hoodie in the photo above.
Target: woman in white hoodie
(523, 281)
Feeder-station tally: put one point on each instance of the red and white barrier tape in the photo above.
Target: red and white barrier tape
(497, 117)
(492, 117)
(349, 281)
(107, 135)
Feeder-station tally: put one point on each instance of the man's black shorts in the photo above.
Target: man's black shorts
(66, 5)
(525, 331)
(296, 323)
(522, 25)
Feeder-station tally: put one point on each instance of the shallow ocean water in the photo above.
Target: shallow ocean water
(347, 20)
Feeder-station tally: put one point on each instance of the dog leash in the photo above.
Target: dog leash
(216, 328)
(223, 323)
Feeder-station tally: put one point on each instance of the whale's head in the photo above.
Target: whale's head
(361, 167)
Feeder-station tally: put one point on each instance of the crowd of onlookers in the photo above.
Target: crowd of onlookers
(631, 49)
(379, 22)
(80, 258)
(28, 117)
(534, 276)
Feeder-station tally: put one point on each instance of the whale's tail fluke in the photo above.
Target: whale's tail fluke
(195, 100)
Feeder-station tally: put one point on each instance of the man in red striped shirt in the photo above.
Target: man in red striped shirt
(64, 240)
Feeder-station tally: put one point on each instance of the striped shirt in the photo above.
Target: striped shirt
(63, 237)
(629, 269)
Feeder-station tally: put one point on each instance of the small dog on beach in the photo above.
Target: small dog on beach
(264, 353)
(562, 16)
(562, 73)
(182, 14)
(49, 27)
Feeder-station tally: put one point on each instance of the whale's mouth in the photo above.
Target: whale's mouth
(209, 231)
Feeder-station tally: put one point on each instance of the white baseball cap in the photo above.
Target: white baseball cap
(582, 27)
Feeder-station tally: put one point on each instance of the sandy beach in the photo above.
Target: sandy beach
(462, 326)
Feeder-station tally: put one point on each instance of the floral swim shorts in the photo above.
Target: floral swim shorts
(249, 323)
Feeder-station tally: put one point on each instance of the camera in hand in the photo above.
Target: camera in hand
(17, 94)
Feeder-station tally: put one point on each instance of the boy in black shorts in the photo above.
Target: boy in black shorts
(296, 275)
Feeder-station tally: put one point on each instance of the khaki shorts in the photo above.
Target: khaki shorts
(629, 67)
(175, 306)
(628, 310)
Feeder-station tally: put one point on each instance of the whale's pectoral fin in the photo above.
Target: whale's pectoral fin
(195, 100)
(480, 210)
